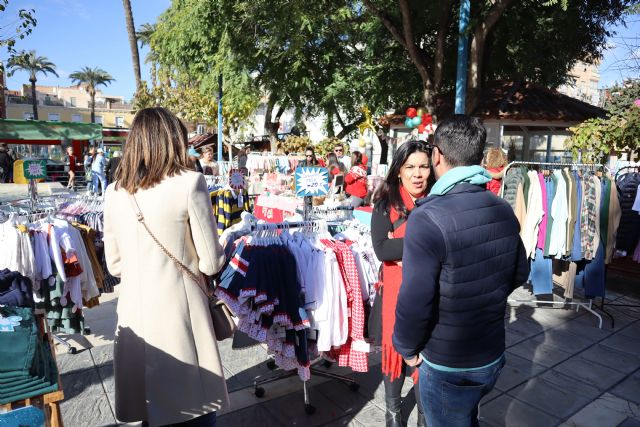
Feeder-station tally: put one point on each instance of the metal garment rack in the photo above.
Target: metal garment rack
(589, 306)
(258, 383)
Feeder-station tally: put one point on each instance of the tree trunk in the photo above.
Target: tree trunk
(92, 94)
(133, 43)
(3, 105)
(34, 100)
(346, 130)
(271, 126)
(443, 25)
(384, 146)
(476, 53)
(154, 76)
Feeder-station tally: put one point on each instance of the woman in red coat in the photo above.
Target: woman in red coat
(356, 180)
(406, 182)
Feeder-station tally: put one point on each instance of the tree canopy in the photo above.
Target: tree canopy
(333, 57)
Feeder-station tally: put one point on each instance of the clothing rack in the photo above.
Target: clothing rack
(258, 383)
(589, 306)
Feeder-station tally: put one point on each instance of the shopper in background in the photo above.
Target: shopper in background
(194, 157)
(334, 166)
(309, 158)
(462, 257)
(88, 160)
(343, 157)
(356, 180)
(167, 367)
(98, 176)
(209, 166)
(495, 161)
(112, 166)
(6, 164)
(71, 160)
(242, 158)
(406, 182)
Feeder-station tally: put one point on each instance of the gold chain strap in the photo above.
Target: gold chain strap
(180, 265)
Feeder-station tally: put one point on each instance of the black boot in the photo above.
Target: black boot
(393, 401)
(422, 422)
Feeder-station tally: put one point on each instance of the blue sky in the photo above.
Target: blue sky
(77, 33)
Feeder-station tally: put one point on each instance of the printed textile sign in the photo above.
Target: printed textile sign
(236, 179)
(35, 169)
(312, 181)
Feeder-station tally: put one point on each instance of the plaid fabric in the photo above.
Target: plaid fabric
(348, 356)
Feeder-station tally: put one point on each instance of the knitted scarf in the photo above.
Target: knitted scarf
(472, 174)
(392, 279)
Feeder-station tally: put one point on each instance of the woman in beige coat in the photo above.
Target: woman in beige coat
(166, 361)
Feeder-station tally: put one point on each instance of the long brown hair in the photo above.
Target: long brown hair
(388, 196)
(156, 148)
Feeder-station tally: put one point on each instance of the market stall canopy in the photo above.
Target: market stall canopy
(32, 130)
(515, 101)
(202, 140)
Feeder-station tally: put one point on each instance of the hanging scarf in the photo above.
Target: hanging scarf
(392, 361)
(476, 175)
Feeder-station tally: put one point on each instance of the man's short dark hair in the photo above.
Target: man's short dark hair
(461, 140)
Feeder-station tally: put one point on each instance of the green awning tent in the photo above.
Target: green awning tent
(31, 130)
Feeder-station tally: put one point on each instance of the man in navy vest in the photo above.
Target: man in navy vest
(462, 258)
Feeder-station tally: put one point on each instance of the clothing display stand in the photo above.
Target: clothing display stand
(258, 383)
(49, 403)
(41, 208)
(587, 305)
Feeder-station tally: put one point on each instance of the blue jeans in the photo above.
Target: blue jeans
(451, 398)
(102, 179)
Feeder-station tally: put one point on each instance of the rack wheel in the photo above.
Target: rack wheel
(72, 350)
(327, 364)
(309, 409)
(87, 331)
(259, 392)
(271, 364)
(354, 387)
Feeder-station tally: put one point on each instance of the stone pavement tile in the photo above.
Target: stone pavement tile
(290, 410)
(555, 393)
(371, 385)
(80, 361)
(81, 384)
(247, 377)
(103, 330)
(106, 376)
(516, 371)
(338, 393)
(507, 411)
(255, 415)
(623, 343)
(631, 331)
(102, 355)
(87, 411)
(630, 422)
(622, 315)
(612, 358)
(585, 330)
(566, 341)
(547, 317)
(591, 373)
(238, 361)
(523, 327)
(371, 415)
(628, 389)
(607, 410)
(537, 351)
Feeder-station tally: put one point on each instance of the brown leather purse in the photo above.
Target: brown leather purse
(221, 316)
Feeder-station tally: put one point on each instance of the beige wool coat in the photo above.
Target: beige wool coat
(166, 362)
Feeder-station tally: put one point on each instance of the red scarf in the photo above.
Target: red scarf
(392, 279)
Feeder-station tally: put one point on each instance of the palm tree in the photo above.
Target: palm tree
(33, 64)
(144, 33)
(133, 43)
(90, 79)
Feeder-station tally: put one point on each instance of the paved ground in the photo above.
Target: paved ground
(561, 370)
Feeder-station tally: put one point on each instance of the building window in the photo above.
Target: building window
(73, 101)
(119, 122)
(27, 115)
(54, 117)
(76, 118)
(200, 129)
(98, 120)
